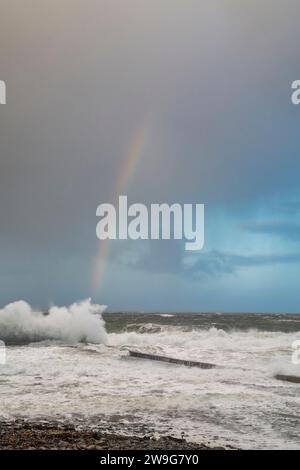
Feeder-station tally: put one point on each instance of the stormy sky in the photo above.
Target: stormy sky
(210, 81)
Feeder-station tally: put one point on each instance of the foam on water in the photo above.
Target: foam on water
(81, 322)
(240, 403)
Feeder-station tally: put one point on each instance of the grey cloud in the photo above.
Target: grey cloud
(170, 257)
(159, 256)
(216, 263)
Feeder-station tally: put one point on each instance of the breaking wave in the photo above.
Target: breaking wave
(80, 322)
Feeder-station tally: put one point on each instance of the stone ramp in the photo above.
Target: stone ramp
(288, 378)
(172, 360)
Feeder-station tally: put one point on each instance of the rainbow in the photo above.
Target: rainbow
(133, 155)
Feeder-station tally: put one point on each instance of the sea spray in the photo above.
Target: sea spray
(80, 322)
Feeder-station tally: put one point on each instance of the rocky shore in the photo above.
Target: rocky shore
(24, 435)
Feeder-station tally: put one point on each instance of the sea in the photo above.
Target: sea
(72, 365)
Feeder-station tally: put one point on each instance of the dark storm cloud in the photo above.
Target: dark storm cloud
(211, 80)
(163, 256)
(159, 256)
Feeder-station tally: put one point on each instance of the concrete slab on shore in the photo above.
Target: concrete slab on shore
(288, 378)
(172, 360)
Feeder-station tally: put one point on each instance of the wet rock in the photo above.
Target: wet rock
(21, 435)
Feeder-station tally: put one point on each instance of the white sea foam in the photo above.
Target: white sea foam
(240, 402)
(80, 322)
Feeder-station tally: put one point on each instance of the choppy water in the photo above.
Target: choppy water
(239, 403)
